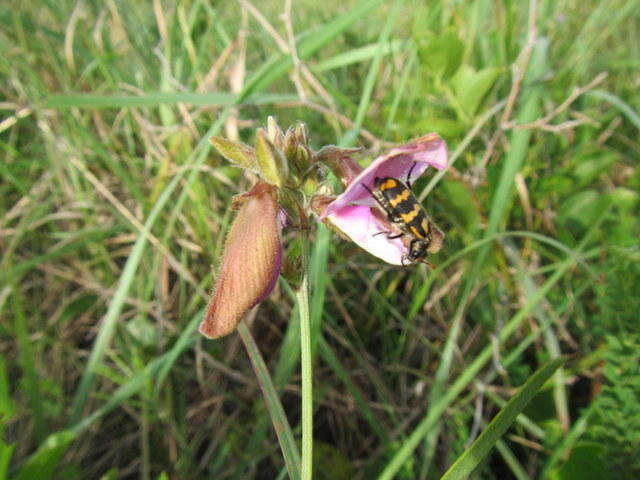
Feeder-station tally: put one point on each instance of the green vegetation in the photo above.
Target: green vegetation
(114, 208)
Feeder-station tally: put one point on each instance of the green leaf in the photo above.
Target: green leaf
(112, 474)
(587, 168)
(153, 99)
(5, 457)
(42, 464)
(582, 207)
(457, 199)
(442, 54)
(274, 406)
(584, 463)
(237, 153)
(330, 463)
(144, 331)
(6, 404)
(446, 127)
(470, 86)
(469, 460)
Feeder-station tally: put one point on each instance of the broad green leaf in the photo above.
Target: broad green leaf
(469, 460)
(331, 464)
(457, 199)
(586, 462)
(587, 168)
(42, 464)
(112, 474)
(582, 207)
(442, 54)
(470, 86)
(446, 127)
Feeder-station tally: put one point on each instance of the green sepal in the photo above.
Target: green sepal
(291, 268)
(237, 153)
(271, 162)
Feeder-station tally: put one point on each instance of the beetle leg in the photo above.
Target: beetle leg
(389, 234)
(409, 174)
(368, 190)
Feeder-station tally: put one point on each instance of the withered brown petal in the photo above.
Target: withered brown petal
(250, 263)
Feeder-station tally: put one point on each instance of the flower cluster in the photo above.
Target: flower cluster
(289, 186)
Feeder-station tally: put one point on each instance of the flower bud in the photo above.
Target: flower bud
(250, 263)
(302, 134)
(271, 162)
(274, 132)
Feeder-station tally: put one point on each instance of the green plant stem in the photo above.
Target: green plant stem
(302, 296)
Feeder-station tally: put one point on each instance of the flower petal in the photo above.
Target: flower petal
(429, 150)
(250, 262)
(356, 214)
(359, 224)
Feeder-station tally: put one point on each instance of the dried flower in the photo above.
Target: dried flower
(355, 212)
(250, 262)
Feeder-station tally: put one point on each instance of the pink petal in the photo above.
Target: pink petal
(361, 226)
(356, 214)
(429, 150)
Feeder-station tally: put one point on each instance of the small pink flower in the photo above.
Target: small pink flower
(355, 212)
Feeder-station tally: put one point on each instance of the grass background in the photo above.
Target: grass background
(113, 210)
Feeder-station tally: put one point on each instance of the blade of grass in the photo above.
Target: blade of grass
(624, 107)
(358, 55)
(278, 417)
(400, 91)
(511, 461)
(470, 459)
(525, 421)
(421, 296)
(218, 99)
(27, 358)
(159, 367)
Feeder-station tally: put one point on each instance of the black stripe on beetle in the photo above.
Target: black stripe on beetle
(403, 209)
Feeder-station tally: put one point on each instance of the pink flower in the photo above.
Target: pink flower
(356, 214)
